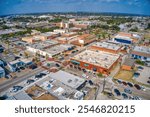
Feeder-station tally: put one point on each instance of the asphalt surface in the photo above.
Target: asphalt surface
(6, 85)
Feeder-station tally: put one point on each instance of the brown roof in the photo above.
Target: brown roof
(125, 34)
(84, 36)
(141, 53)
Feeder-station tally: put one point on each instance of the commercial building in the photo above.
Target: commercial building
(58, 49)
(64, 40)
(97, 61)
(83, 40)
(2, 72)
(61, 31)
(16, 64)
(107, 47)
(48, 35)
(31, 39)
(63, 85)
(125, 38)
(50, 49)
(68, 79)
(140, 52)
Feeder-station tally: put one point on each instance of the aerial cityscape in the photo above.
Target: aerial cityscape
(74, 50)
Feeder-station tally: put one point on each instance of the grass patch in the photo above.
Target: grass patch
(125, 75)
(128, 76)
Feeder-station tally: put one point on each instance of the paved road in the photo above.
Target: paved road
(10, 83)
(135, 92)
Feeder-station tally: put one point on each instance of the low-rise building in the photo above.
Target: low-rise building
(97, 61)
(68, 79)
(83, 40)
(125, 38)
(140, 52)
(50, 49)
(107, 47)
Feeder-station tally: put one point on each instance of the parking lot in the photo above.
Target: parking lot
(144, 76)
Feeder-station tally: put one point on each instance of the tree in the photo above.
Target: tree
(109, 36)
(134, 29)
(99, 74)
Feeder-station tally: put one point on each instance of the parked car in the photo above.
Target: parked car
(127, 91)
(90, 82)
(124, 83)
(57, 65)
(117, 92)
(16, 88)
(33, 66)
(137, 86)
(22, 68)
(136, 74)
(38, 76)
(29, 81)
(130, 84)
(43, 74)
(119, 81)
(137, 98)
(140, 67)
(148, 82)
(125, 96)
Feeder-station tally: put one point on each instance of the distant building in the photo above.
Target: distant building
(141, 53)
(83, 40)
(31, 39)
(125, 38)
(2, 72)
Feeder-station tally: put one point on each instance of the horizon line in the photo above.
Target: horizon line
(110, 13)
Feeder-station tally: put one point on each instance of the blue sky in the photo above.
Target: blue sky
(36, 6)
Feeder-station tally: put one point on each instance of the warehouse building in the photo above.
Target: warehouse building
(125, 38)
(141, 53)
(68, 79)
(107, 47)
(97, 61)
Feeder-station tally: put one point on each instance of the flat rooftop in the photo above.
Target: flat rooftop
(49, 34)
(43, 44)
(123, 37)
(107, 45)
(22, 96)
(58, 49)
(67, 38)
(98, 58)
(68, 79)
(142, 49)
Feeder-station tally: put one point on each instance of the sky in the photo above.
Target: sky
(39, 6)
